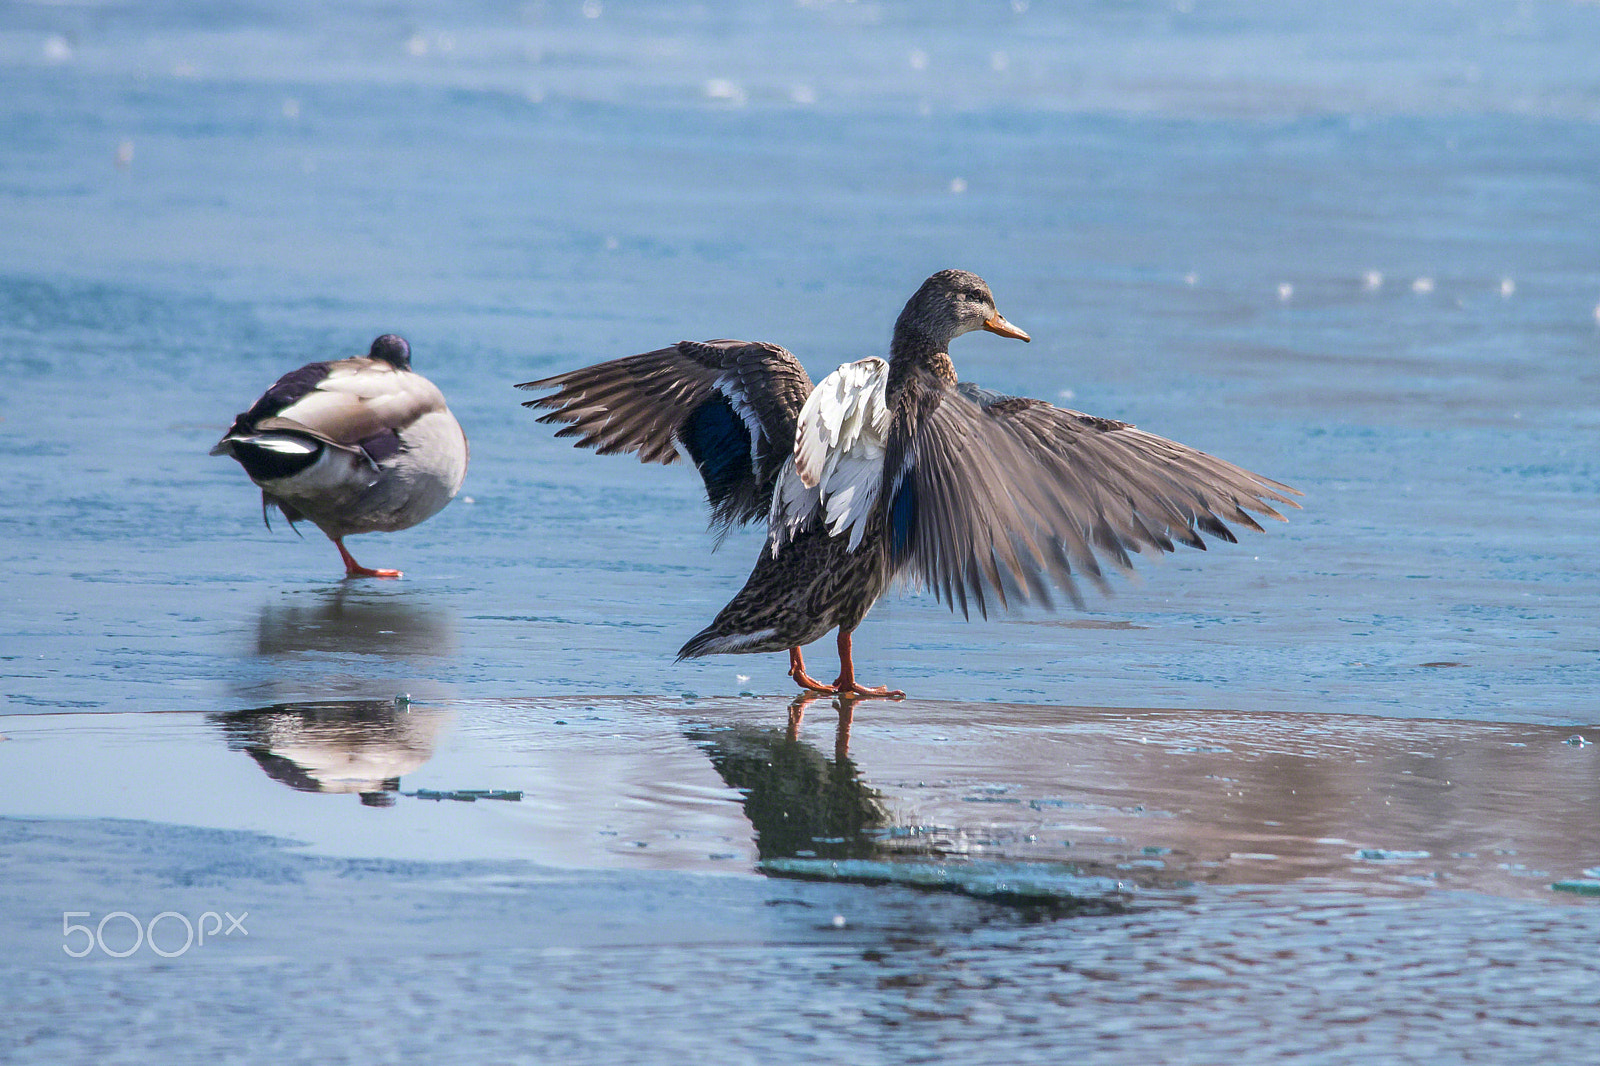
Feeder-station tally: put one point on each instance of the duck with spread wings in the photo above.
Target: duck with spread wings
(896, 469)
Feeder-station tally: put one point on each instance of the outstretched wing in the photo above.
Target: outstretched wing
(731, 405)
(991, 495)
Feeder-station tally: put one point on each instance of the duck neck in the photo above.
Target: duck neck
(913, 350)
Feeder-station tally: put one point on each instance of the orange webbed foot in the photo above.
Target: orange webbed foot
(850, 687)
(797, 670)
(355, 569)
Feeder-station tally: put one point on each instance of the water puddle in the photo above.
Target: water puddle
(1152, 801)
(1068, 806)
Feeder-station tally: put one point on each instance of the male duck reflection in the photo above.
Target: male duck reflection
(362, 747)
(893, 469)
(357, 446)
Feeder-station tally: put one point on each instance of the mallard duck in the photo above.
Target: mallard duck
(897, 469)
(356, 446)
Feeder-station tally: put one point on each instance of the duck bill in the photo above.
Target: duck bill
(998, 324)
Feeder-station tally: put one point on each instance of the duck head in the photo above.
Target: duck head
(392, 349)
(950, 303)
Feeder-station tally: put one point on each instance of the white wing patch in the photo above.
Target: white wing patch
(284, 444)
(838, 455)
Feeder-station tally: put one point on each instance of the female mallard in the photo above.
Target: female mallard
(357, 446)
(893, 468)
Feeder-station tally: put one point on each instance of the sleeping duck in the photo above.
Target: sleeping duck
(358, 445)
(896, 469)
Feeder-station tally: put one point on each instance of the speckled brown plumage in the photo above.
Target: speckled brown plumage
(814, 584)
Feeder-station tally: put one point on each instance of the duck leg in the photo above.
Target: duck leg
(355, 569)
(797, 670)
(847, 674)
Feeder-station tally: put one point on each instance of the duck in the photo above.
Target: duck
(358, 445)
(895, 469)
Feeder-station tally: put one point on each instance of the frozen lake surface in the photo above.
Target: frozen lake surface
(1310, 793)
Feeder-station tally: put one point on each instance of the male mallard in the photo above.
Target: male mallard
(357, 446)
(893, 468)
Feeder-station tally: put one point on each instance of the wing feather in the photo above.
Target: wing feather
(730, 405)
(1010, 492)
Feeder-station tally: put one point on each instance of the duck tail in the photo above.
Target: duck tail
(269, 456)
(713, 641)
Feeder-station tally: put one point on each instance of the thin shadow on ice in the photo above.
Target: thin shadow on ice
(341, 644)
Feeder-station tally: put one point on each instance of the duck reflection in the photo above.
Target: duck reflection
(345, 620)
(800, 802)
(360, 747)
